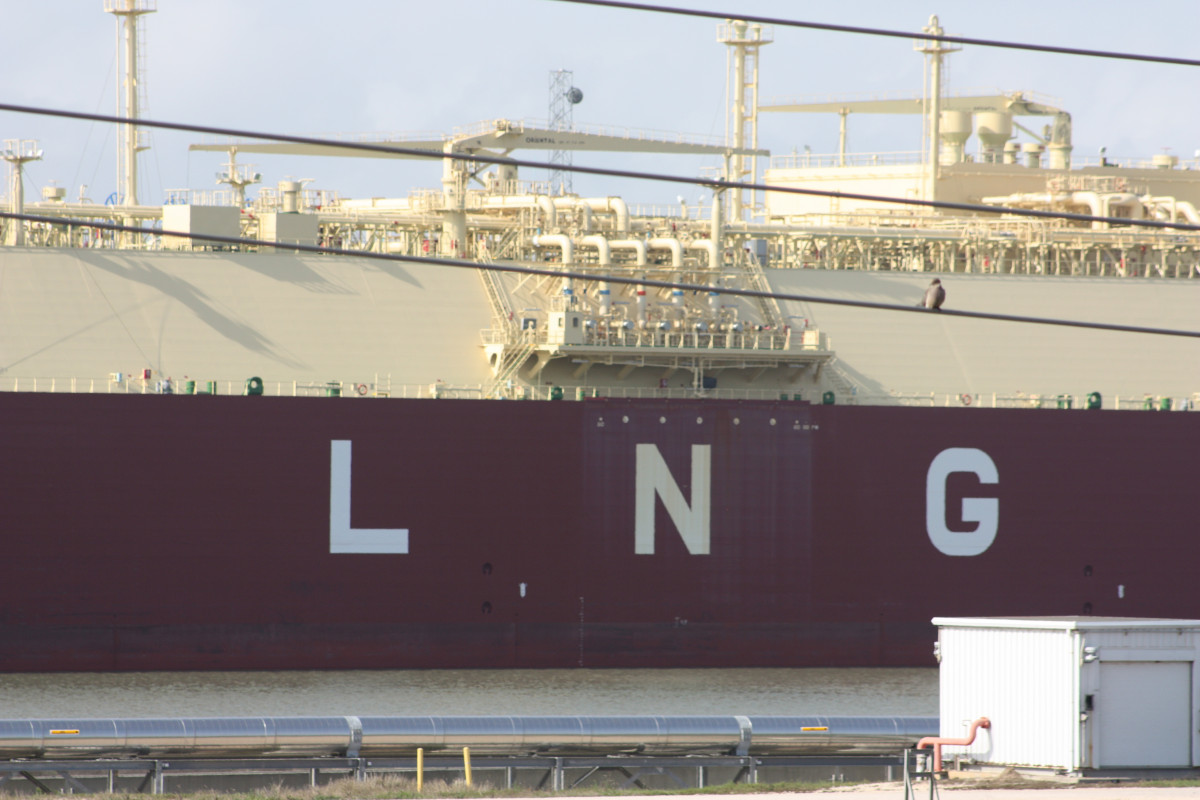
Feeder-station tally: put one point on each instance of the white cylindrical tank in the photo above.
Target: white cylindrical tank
(1060, 156)
(506, 178)
(955, 129)
(1011, 149)
(289, 196)
(993, 128)
(1032, 151)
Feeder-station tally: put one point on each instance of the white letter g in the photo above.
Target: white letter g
(983, 510)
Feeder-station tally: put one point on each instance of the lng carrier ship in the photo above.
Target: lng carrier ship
(235, 455)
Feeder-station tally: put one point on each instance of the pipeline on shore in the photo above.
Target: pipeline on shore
(352, 736)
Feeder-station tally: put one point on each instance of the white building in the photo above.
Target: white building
(1071, 693)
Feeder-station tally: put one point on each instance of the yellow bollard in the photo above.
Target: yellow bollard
(467, 764)
(420, 768)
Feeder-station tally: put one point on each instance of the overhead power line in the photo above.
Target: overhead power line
(712, 183)
(586, 276)
(826, 26)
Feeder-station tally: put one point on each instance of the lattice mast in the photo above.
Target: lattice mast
(563, 99)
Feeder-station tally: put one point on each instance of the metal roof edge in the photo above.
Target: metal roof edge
(1063, 623)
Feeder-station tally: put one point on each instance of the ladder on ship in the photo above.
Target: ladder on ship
(768, 306)
(514, 351)
(844, 387)
(502, 311)
(510, 361)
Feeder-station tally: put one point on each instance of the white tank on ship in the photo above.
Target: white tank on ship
(994, 129)
(955, 129)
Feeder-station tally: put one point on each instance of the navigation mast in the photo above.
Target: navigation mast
(17, 152)
(131, 95)
(935, 51)
(744, 41)
(563, 99)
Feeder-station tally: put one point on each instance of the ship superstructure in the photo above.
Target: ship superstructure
(585, 335)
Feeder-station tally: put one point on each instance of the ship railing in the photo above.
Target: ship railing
(697, 211)
(839, 99)
(755, 340)
(770, 340)
(271, 199)
(1021, 400)
(619, 132)
(374, 137)
(683, 392)
(382, 387)
(117, 383)
(198, 197)
(827, 160)
(1159, 164)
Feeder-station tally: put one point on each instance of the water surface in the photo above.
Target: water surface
(843, 691)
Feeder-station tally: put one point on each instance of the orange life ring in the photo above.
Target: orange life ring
(965, 399)
(361, 389)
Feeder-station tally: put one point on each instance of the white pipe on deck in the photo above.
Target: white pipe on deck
(605, 295)
(546, 204)
(636, 245)
(708, 246)
(557, 240)
(1176, 208)
(603, 255)
(568, 258)
(673, 245)
(1040, 198)
(1100, 204)
(576, 202)
(612, 205)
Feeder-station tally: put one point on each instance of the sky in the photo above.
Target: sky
(364, 66)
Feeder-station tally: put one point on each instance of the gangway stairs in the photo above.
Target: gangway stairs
(844, 387)
(502, 311)
(514, 352)
(768, 306)
(508, 367)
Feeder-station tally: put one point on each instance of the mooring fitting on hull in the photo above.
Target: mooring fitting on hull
(938, 741)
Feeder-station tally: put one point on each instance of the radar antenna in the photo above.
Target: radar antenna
(563, 99)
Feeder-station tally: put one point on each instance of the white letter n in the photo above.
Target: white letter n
(343, 538)
(652, 479)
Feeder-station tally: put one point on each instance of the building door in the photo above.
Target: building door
(1144, 714)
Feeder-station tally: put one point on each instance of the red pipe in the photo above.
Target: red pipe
(938, 741)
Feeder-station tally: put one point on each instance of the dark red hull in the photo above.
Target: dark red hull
(161, 532)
